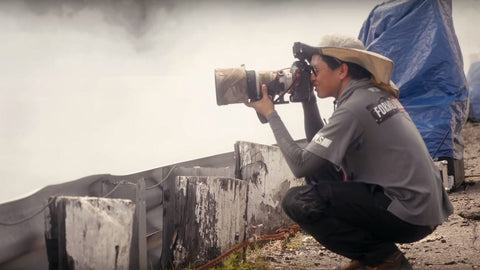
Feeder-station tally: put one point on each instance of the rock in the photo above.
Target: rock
(473, 214)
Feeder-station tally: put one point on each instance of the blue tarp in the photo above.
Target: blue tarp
(473, 79)
(418, 35)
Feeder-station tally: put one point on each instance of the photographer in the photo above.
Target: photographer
(371, 182)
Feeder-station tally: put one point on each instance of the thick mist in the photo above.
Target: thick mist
(125, 86)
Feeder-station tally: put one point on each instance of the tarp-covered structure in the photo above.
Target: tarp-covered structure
(418, 35)
(473, 79)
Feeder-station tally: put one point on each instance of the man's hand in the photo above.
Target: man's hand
(263, 106)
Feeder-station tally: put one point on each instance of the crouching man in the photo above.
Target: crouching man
(371, 182)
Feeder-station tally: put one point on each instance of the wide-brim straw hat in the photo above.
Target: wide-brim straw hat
(378, 65)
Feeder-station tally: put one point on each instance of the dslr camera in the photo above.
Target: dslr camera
(239, 85)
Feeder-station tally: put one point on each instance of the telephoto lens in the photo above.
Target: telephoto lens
(238, 85)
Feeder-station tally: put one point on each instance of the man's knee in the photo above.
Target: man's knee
(289, 201)
(303, 204)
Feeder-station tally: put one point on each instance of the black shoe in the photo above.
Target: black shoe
(396, 261)
(352, 265)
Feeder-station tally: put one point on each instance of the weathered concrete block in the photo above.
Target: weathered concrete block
(133, 190)
(203, 218)
(89, 233)
(269, 178)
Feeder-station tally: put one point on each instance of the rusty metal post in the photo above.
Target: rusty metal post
(141, 222)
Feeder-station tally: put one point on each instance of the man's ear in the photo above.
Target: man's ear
(343, 70)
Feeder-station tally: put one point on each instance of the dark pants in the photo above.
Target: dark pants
(350, 219)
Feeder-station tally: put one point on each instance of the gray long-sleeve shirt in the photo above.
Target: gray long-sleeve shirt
(303, 163)
(374, 140)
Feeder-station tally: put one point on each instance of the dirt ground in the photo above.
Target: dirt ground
(454, 245)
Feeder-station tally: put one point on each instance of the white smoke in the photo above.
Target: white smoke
(119, 87)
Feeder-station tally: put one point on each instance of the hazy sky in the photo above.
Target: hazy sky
(120, 87)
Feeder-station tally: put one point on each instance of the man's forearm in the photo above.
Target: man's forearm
(300, 161)
(313, 121)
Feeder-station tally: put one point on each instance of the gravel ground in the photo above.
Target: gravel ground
(454, 245)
